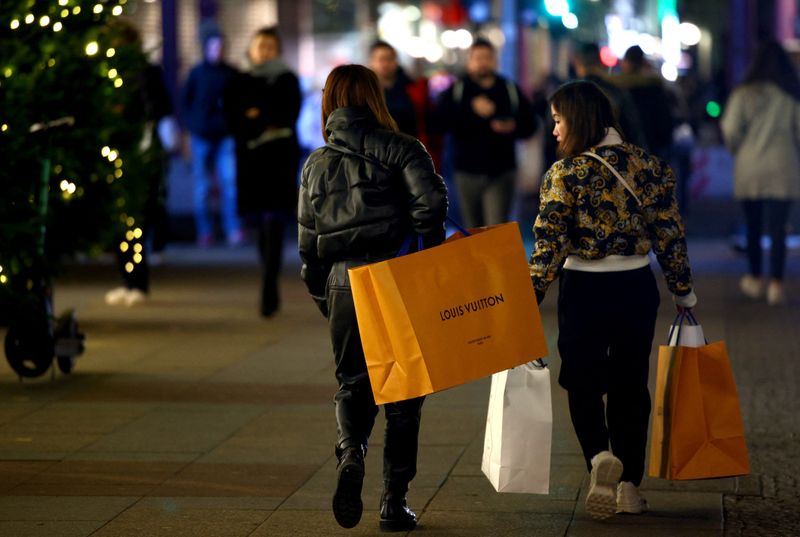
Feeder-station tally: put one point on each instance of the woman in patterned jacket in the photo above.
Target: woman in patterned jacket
(604, 207)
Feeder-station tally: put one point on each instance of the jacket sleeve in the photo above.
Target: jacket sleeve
(667, 235)
(313, 271)
(550, 231)
(734, 122)
(427, 194)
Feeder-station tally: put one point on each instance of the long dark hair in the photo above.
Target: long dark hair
(587, 113)
(773, 64)
(355, 85)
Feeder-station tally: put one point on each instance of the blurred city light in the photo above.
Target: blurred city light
(669, 72)
(556, 8)
(479, 11)
(713, 109)
(570, 21)
(670, 40)
(607, 57)
(689, 34)
(648, 44)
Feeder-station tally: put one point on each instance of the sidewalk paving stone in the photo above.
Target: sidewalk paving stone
(191, 415)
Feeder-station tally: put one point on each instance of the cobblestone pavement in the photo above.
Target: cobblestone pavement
(192, 416)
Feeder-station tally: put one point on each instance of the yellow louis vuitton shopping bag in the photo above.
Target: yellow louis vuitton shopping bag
(447, 315)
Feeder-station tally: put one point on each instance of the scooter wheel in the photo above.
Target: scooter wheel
(29, 351)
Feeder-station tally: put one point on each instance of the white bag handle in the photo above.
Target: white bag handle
(616, 174)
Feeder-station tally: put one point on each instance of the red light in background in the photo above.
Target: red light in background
(607, 57)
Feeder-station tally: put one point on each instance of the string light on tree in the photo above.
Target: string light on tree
(92, 48)
(44, 21)
(29, 18)
(15, 24)
(98, 8)
(57, 27)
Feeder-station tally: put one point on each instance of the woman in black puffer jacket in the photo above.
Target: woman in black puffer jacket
(361, 196)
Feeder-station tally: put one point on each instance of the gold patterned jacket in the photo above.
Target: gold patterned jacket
(585, 211)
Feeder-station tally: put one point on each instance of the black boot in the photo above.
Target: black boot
(347, 505)
(395, 514)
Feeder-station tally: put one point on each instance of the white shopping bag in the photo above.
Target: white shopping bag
(686, 332)
(519, 430)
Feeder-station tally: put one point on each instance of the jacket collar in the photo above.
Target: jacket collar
(346, 126)
(612, 138)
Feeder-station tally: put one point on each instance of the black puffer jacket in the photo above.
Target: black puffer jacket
(363, 194)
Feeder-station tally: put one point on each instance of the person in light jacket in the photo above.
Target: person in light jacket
(361, 195)
(761, 127)
(594, 232)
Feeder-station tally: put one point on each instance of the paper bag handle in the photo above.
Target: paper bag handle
(406, 246)
(677, 324)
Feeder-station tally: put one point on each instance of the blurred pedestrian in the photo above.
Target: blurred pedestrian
(264, 105)
(653, 102)
(407, 99)
(587, 65)
(604, 206)
(146, 155)
(212, 146)
(361, 195)
(485, 114)
(760, 126)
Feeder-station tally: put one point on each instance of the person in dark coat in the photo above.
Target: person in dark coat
(151, 102)
(361, 195)
(212, 146)
(485, 114)
(264, 106)
(407, 99)
(588, 66)
(652, 100)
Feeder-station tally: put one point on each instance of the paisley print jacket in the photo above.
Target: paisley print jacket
(585, 211)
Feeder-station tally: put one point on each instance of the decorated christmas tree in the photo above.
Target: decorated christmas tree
(75, 169)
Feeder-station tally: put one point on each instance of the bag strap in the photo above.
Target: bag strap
(347, 151)
(616, 174)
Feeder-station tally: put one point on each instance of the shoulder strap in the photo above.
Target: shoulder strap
(347, 151)
(616, 174)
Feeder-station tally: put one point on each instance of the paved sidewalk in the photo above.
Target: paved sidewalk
(192, 416)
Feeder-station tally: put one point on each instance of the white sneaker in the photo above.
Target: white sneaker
(775, 294)
(751, 286)
(116, 296)
(601, 500)
(629, 501)
(134, 296)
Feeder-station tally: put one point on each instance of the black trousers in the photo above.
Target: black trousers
(606, 322)
(355, 405)
(271, 233)
(777, 215)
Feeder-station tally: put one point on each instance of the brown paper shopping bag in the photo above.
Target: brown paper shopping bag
(441, 317)
(697, 430)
